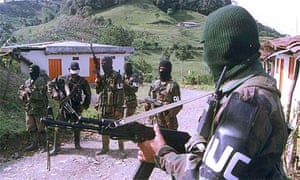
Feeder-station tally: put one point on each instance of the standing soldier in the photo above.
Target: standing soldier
(69, 90)
(248, 130)
(34, 94)
(111, 98)
(131, 86)
(166, 91)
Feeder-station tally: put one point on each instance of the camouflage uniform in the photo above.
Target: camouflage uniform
(110, 102)
(130, 88)
(111, 97)
(250, 132)
(166, 92)
(34, 95)
(71, 90)
(264, 147)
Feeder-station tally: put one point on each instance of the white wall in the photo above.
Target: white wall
(118, 62)
(285, 81)
(39, 58)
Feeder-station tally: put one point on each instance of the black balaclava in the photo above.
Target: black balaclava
(230, 39)
(165, 69)
(128, 69)
(34, 71)
(107, 64)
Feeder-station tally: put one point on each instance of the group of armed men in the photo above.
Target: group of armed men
(249, 131)
(116, 99)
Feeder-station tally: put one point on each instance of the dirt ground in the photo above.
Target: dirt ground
(84, 164)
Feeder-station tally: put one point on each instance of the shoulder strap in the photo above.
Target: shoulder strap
(156, 85)
(228, 88)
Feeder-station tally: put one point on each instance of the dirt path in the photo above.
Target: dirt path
(83, 164)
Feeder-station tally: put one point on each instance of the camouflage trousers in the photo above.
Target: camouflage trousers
(33, 123)
(117, 114)
(129, 111)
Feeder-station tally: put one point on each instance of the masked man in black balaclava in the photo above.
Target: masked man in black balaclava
(165, 68)
(34, 95)
(131, 85)
(111, 98)
(165, 91)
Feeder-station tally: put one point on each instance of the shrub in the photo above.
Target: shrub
(195, 79)
(148, 77)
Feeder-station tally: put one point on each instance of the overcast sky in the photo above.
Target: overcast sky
(283, 16)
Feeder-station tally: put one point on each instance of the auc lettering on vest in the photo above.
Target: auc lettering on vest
(217, 165)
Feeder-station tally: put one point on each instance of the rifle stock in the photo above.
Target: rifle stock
(144, 171)
(177, 141)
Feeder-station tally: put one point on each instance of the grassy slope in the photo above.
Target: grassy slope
(61, 28)
(11, 108)
(140, 15)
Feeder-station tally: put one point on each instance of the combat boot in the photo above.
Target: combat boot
(105, 145)
(77, 139)
(33, 144)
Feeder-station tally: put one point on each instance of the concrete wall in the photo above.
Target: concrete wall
(39, 58)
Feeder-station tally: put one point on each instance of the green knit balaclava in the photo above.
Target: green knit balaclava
(230, 38)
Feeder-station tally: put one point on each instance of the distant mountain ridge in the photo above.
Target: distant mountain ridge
(17, 15)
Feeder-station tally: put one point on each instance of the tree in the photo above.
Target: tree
(116, 35)
(6, 30)
(167, 52)
(203, 6)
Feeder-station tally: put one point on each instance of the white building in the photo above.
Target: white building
(281, 59)
(55, 57)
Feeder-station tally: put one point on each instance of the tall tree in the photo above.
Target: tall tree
(116, 35)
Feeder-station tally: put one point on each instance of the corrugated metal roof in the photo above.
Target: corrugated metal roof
(70, 47)
(284, 45)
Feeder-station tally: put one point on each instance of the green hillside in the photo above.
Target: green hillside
(151, 25)
(10, 106)
(145, 17)
(137, 15)
(141, 16)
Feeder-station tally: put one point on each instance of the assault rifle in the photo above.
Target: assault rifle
(96, 62)
(136, 132)
(119, 130)
(205, 127)
(149, 100)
